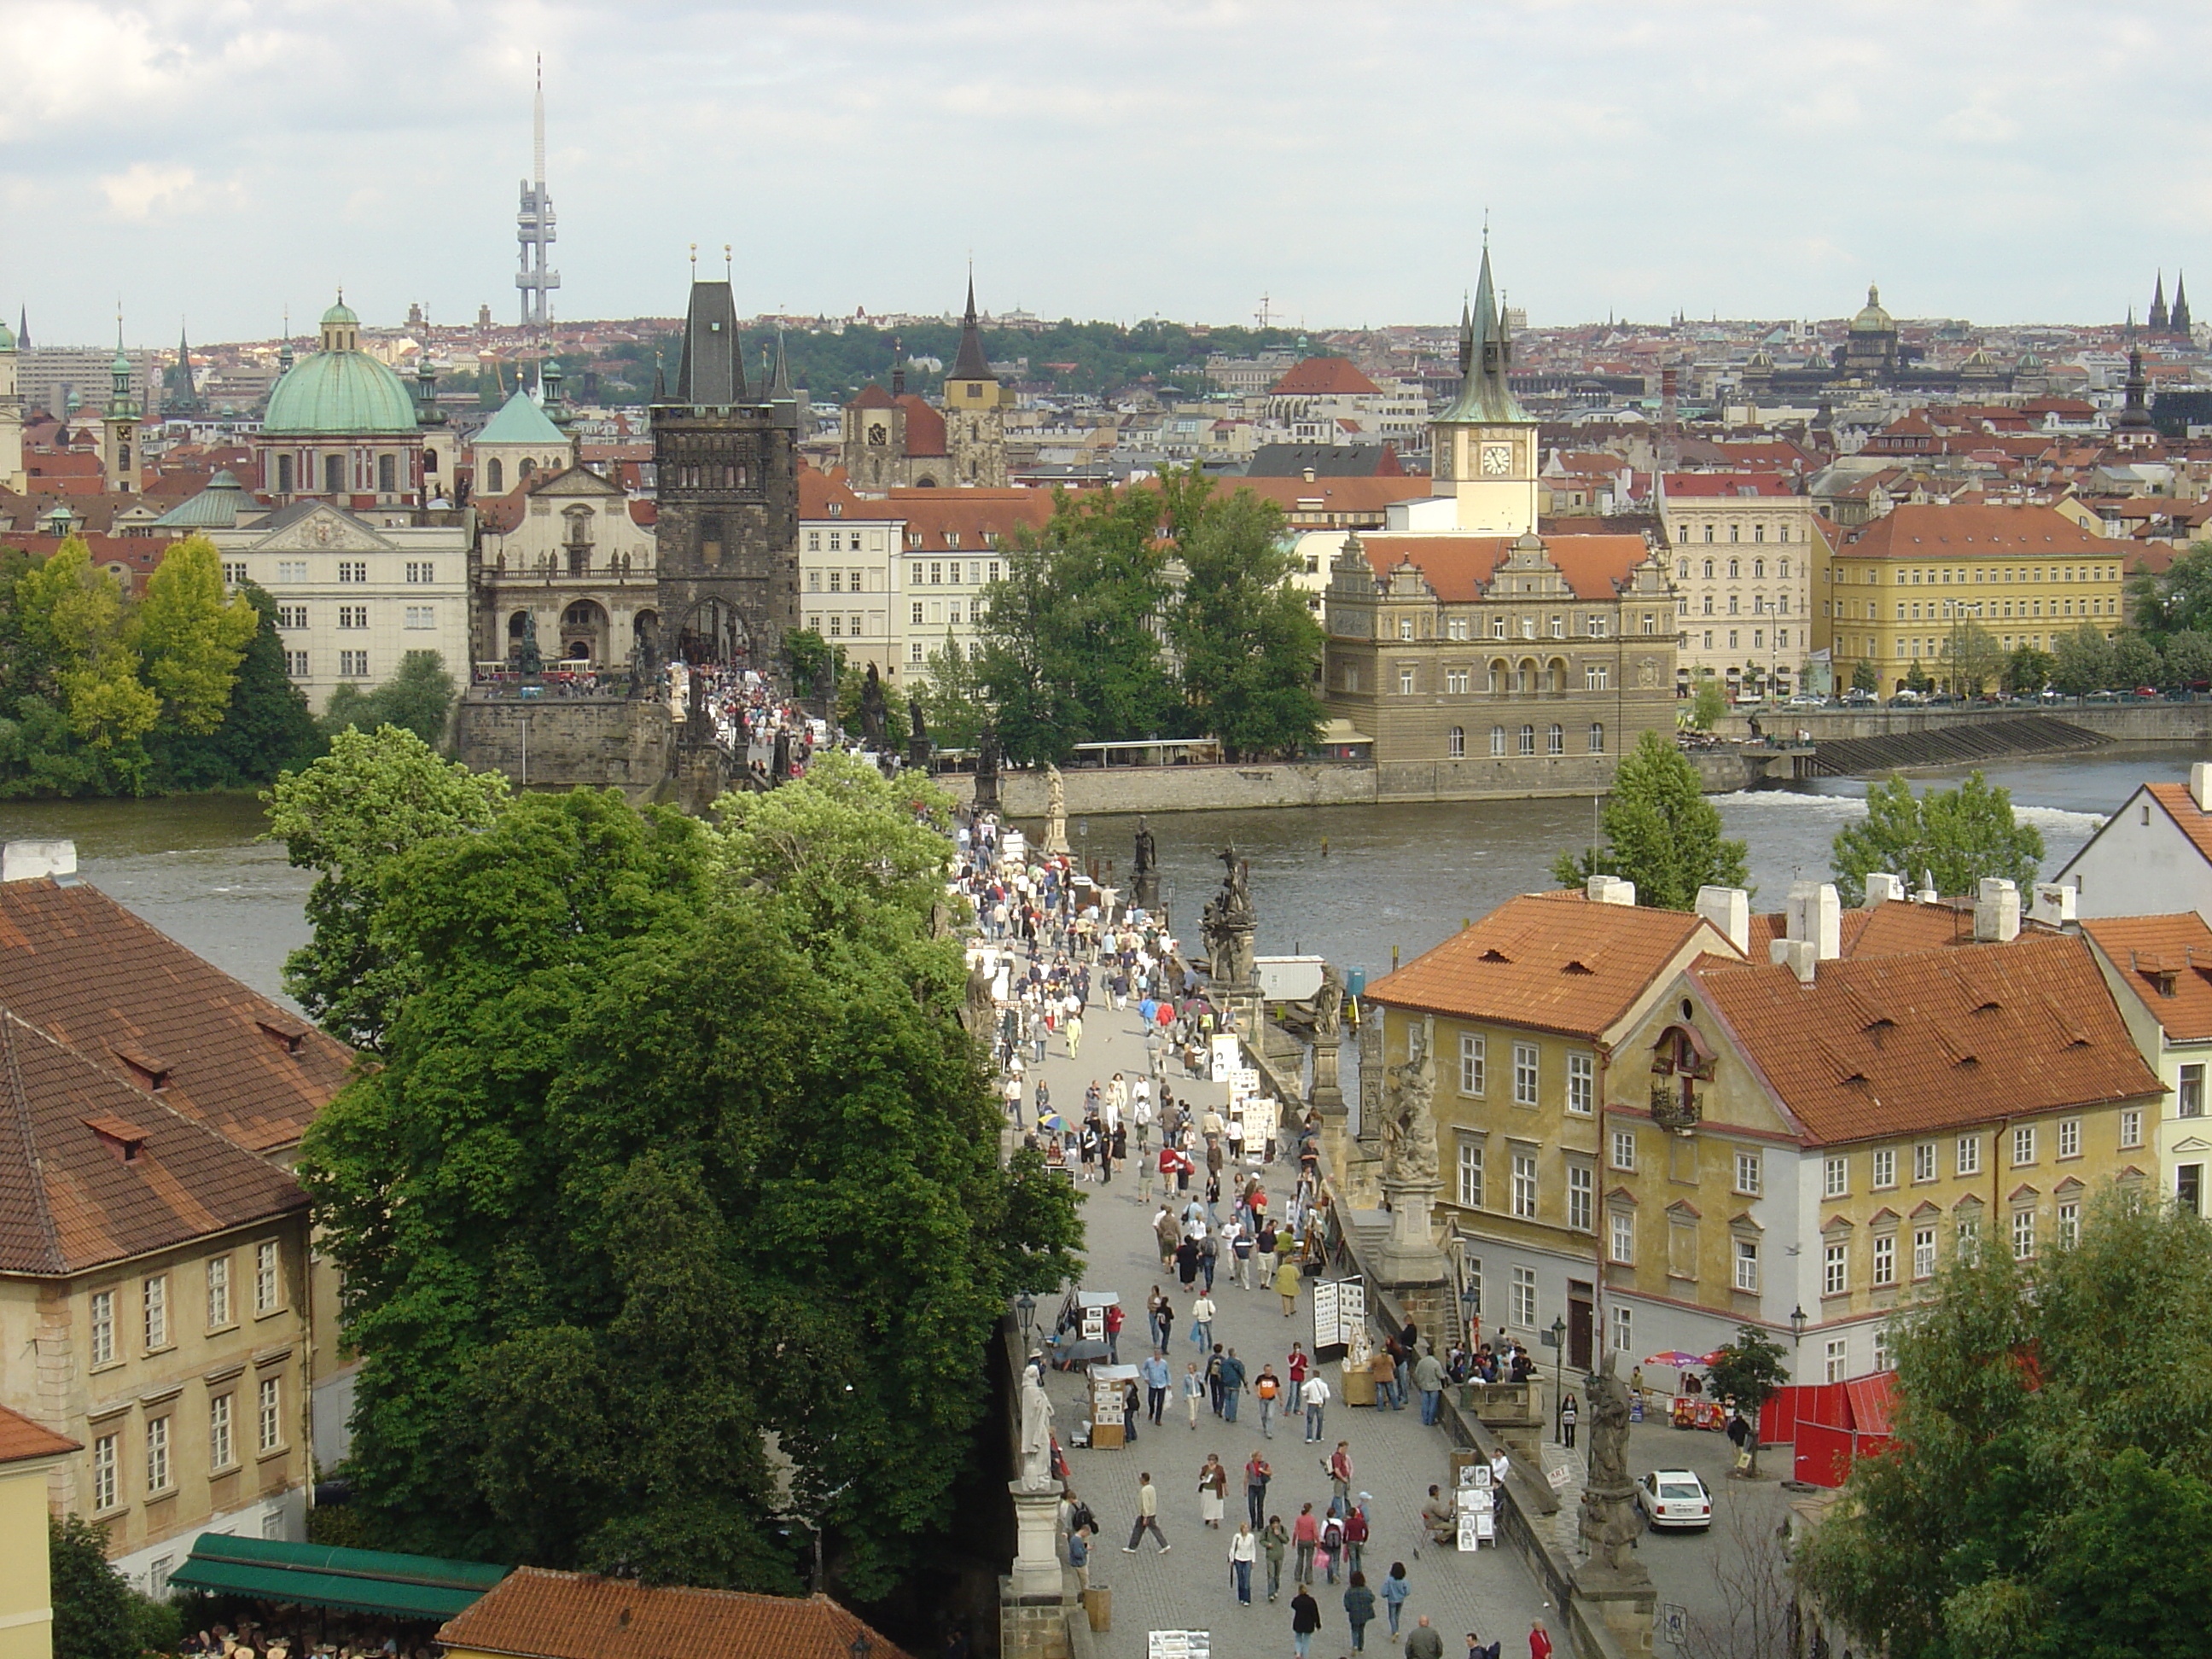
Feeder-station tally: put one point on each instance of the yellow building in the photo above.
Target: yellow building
(1529, 1005)
(1799, 1143)
(1899, 588)
(28, 1453)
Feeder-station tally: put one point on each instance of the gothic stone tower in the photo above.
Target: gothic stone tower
(974, 427)
(727, 470)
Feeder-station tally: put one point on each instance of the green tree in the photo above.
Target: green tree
(1708, 702)
(1752, 1369)
(192, 636)
(2188, 660)
(266, 728)
(2027, 671)
(679, 1145)
(1863, 677)
(2136, 660)
(1660, 832)
(1250, 646)
(812, 662)
(1959, 836)
(2037, 1499)
(2176, 600)
(350, 817)
(953, 697)
(2082, 661)
(72, 618)
(418, 698)
(97, 1615)
(1919, 681)
(1973, 658)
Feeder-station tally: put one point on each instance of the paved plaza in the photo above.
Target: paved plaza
(1395, 1459)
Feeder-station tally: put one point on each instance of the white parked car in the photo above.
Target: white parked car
(1674, 1499)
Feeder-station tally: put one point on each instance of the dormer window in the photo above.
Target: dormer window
(149, 1071)
(286, 1036)
(125, 1142)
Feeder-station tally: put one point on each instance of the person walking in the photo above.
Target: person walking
(1539, 1641)
(1202, 1322)
(1359, 1609)
(1074, 1035)
(1286, 1282)
(1274, 1542)
(1338, 1466)
(1148, 1516)
(1425, 1642)
(1209, 1259)
(1243, 1550)
(1212, 1491)
(1355, 1535)
(1230, 1376)
(1213, 1377)
(1568, 1412)
(1186, 1261)
(1330, 1556)
(1429, 1378)
(1396, 1589)
(1305, 1619)
(1257, 1473)
(1156, 1377)
(1383, 1368)
(1305, 1535)
(1194, 1392)
(1153, 1303)
(1268, 1387)
(1240, 1248)
(1313, 1395)
(1167, 1234)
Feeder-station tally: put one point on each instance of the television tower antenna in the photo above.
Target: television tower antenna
(535, 223)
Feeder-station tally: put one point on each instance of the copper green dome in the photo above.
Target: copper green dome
(341, 389)
(341, 312)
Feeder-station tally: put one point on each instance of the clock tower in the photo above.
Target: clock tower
(1482, 447)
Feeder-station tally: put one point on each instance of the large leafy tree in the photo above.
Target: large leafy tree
(72, 629)
(1660, 832)
(2027, 671)
(350, 817)
(1959, 836)
(2048, 1492)
(1249, 645)
(2082, 661)
(267, 727)
(1751, 1370)
(418, 698)
(191, 635)
(953, 700)
(672, 1224)
(2178, 599)
(1973, 658)
(97, 1615)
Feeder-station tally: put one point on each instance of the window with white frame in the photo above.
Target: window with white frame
(1624, 1328)
(2070, 1137)
(421, 570)
(158, 1473)
(1405, 681)
(1470, 1174)
(1924, 1160)
(1524, 1074)
(295, 663)
(156, 1292)
(271, 1412)
(233, 574)
(1624, 1148)
(2189, 1096)
(2023, 1234)
(221, 1452)
(1835, 1178)
(2023, 1144)
(106, 1453)
(1747, 1264)
(1885, 1259)
(2130, 1128)
(268, 1288)
(1474, 1058)
(1884, 1175)
(2069, 1223)
(352, 664)
(1884, 1359)
(291, 570)
(419, 616)
(1524, 1184)
(102, 1322)
(1835, 1269)
(353, 570)
(1582, 1084)
(1524, 1297)
(1624, 1235)
(1749, 1167)
(1923, 1253)
(1835, 1365)
(1969, 1155)
(291, 616)
(1582, 1190)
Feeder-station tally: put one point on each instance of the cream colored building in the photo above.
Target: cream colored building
(569, 555)
(2153, 965)
(1749, 560)
(28, 1455)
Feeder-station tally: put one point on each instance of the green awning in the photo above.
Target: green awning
(324, 1576)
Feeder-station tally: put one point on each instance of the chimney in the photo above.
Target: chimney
(1798, 955)
(2200, 784)
(2053, 905)
(1610, 890)
(1884, 888)
(1815, 916)
(28, 861)
(1728, 910)
(1927, 894)
(1996, 911)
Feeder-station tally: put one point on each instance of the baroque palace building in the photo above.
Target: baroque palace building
(1480, 656)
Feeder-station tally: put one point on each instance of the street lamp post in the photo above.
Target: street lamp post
(1798, 1322)
(1559, 1375)
(1025, 1305)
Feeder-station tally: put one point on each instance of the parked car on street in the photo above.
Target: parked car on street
(1674, 1499)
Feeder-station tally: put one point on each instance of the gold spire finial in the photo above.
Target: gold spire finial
(695, 262)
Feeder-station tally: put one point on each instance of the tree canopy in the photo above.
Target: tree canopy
(672, 1224)
(418, 698)
(2048, 1491)
(1660, 832)
(1959, 835)
(1249, 645)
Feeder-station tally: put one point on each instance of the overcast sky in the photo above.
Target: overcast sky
(220, 159)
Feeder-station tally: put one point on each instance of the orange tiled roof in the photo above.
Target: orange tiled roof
(79, 967)
(1459, 567)
(2189, 817)
(536, 1613)
(1324, 377)
(1892, 1044)
(1882, 930)
(1552, 962)
(21, 1439)
(1932, 531)
(2154, 952)
(1367, 494)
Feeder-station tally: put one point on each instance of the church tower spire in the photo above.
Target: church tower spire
(1482, 445)
(975, 417)
(184, 395)
(120, 422)
(2176, 320)
(2158, 306)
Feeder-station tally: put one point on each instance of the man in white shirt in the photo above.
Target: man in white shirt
(1314, 1396)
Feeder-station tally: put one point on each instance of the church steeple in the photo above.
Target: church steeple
(183, 397)
(2176, 320)
(1485, 354)
(974, 420)
(1482, 445)
(2135, 413)
(971, 364)
(2158, 306)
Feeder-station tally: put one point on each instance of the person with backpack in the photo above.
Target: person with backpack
(1330, 1556)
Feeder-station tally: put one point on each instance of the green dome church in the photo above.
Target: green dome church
(342, 427)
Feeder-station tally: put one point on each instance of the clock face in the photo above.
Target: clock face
(1497, 459)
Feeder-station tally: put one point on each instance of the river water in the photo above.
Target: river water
(1395, 878)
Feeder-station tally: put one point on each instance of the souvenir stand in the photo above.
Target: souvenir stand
(1108, 1400)
(1474, 1500)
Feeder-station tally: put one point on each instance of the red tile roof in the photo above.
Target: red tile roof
(1971, 532)
(1884, 930)
(88, 973)
(535, 1614)
(2154, 953)
(1895, 1044)
(1324, 377)
(925, 428)
(1686, 485)
(827, 494)
(1366, 496)
(1550, 962)
(21, 1439)
(1459, 566)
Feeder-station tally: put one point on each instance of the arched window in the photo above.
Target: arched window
(1528, 739)
(1709, 567)
(1555, 676)
(1555, 740)
(387, 473)
(1456, 743)
(429, 460)
(1735, 568)
(1758, 569)
(1497, 741)
(334, 475)
(1494, 679)
(1597, 738)
(495, 470)
(529, 466)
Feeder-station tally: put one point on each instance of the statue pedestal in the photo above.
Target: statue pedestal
(1411, 1256)
(1327, 1095)
(1055, 838)
(1622, 1599)
(1037, 1571)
